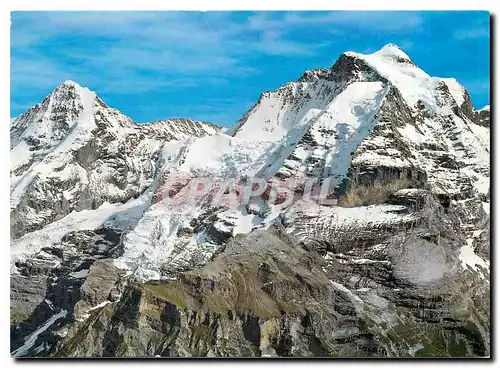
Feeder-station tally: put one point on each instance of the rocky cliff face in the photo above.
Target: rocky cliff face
(107, 262)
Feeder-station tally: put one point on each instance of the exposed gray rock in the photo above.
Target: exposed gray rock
(483, 117)
(101, 284)
(266, 295)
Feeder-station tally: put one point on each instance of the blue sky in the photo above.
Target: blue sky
(213, 66)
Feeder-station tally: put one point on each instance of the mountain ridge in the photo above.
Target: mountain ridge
(109, 238)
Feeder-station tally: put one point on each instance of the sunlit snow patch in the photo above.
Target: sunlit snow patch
(470, 259)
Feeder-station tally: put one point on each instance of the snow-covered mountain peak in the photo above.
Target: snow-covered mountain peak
(280, 111)
(419, 89)
(72, 144)
(50, 121)
(416, 86)
(69, 90)
(70, 83)
(389, 54)
(394, 52)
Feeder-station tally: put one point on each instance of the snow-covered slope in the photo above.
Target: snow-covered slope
(326, 149)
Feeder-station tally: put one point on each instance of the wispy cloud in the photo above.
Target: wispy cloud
(275, 43)
(345, 21)
(472, 33)
(474, 28)
(130, 43)
(130, 53)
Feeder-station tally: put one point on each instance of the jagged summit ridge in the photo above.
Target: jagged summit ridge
(394, 52)
(66, 105)
(318, 87)
(73, 86)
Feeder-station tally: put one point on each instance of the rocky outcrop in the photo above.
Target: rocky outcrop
(101, 285)
(72, 276)
(482, 116)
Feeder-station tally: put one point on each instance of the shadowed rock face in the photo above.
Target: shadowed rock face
(483, 117)
(399, 268)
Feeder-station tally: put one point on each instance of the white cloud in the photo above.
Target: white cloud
(376, 21)
(274, 43)
(146, 49)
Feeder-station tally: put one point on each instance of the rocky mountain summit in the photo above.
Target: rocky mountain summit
(114, 254)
